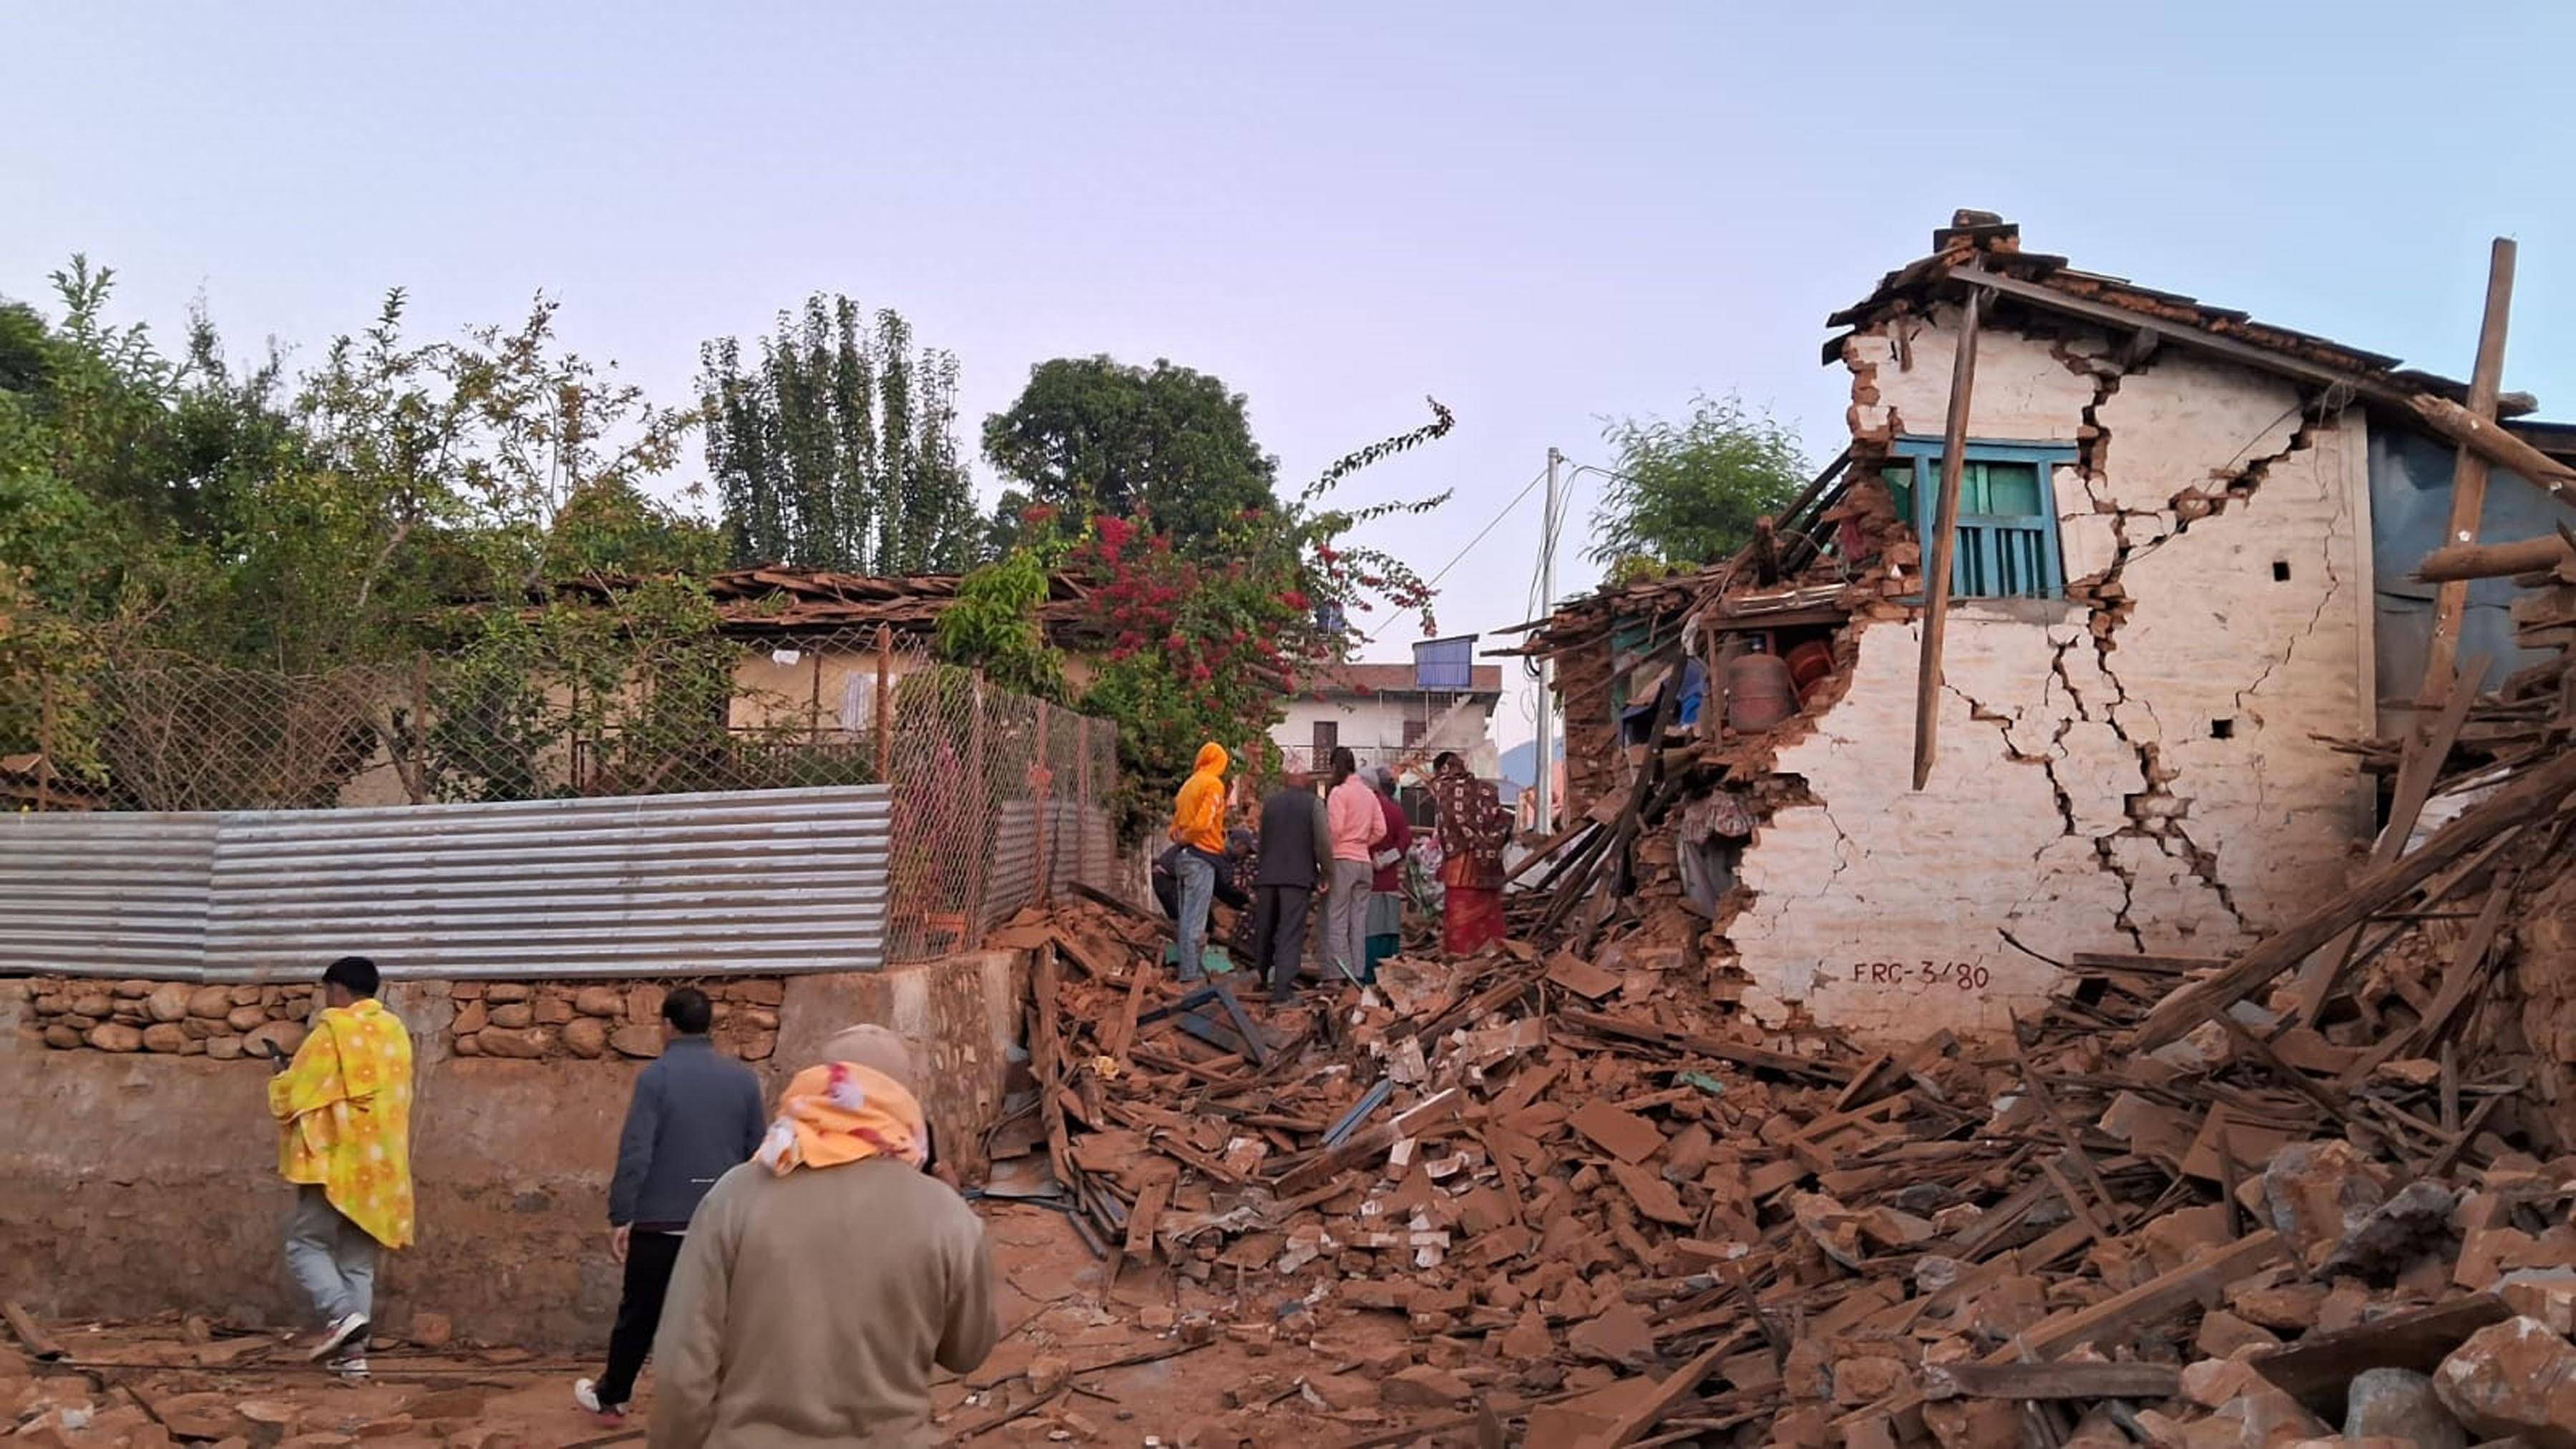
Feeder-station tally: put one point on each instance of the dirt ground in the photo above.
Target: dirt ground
(1259, 1372)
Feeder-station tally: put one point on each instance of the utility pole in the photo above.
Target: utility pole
(1543, 818)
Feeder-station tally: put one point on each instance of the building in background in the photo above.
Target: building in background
(1397, 714)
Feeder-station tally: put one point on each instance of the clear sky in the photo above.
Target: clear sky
(1540, 214)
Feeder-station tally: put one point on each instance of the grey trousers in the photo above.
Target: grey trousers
(332, 1258)
(1346, 921)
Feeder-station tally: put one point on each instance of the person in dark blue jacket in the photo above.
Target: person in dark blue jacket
(695, 1114)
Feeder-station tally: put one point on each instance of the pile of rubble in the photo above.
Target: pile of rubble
(1612, 1211)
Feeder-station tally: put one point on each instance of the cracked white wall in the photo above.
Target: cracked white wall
(2150, 786)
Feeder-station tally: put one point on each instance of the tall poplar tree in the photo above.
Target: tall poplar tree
(838, 447)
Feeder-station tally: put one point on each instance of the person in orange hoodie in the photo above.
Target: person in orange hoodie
(1198, 827)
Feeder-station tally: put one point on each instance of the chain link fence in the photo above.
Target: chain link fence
(998, 798)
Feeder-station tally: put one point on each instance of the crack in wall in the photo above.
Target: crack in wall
(2155, 811)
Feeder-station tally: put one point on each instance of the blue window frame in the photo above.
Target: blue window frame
(2007, 540)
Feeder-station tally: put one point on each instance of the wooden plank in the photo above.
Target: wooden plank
(2200, 1280)
(1151, 1199)
(2154, 964)
(2469, 472)
(2443, 1159)
(2153, 1301)
(30, 1332)
(2534, 792)
(2316, 1368)
(2072, 1140)
(1379, 1138)
(1944, 545)
(2416, 772)
(1047, 1060)
(2462, 561)
(1122, 1033)
(1604, 1024)
(2458, 981)
(2052, 1381)
(1631, 1426)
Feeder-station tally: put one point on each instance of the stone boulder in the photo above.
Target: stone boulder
(586, 1036)
(169, 1001)
(115, 1036)
(165, 1036)
(2318, 1192)
(637, 1041)
(286, 1036)
(2513, 1378)
(522, 1043)
(2396, 1403)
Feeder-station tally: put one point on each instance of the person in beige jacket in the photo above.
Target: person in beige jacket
(824, 1279)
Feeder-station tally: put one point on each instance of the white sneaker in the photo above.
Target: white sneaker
(351, 1369)
(585, 1392)
(349, 1326)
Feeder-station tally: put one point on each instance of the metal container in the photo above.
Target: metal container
(1809, 664)
(1758, 692)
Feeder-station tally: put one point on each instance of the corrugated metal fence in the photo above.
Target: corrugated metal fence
(752, 881)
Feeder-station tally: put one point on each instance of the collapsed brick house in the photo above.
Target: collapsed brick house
(2179, 595)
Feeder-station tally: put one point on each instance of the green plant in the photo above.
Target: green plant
(1090, 436)
(839, 448)
(994, 625)
(1688, 492)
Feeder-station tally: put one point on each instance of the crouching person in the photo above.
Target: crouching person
(822, 1281)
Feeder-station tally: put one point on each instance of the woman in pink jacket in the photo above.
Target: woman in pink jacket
(1358, 823)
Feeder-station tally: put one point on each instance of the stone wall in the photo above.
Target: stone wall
(138, 1183)
(168, 1017)
(592, 1020)
(2133, 767)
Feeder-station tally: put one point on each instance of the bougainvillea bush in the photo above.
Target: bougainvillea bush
(1210, 644)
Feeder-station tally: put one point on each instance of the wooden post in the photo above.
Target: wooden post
(1082, 798)
(814, 706)
(2494, 560)
(44, 739)
(415, 780)
(2469, 475)
(1043, 777)
(1944, 540)
(979, 794)
(884, 709)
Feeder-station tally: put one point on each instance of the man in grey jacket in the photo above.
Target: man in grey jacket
(1296, 862)
(695, 1115)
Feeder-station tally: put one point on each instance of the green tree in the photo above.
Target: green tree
(1091, 436)
(1686, 493)
(1202, 646)
(838, 449)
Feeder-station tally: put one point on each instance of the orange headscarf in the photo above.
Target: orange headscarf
(842, 1112)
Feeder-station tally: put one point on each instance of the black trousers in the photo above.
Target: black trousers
(650, 1257)
(1279, 934)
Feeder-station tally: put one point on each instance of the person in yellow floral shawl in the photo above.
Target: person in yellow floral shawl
(343, 1110)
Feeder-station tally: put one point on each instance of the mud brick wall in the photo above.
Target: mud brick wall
(136, 1182)
(2140, 765)
(225, 1023)
(525, 1022)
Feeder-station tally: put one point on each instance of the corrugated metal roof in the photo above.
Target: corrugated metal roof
(105, 894)
(753, 881)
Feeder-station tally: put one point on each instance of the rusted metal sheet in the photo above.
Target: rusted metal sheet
(756, 881)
